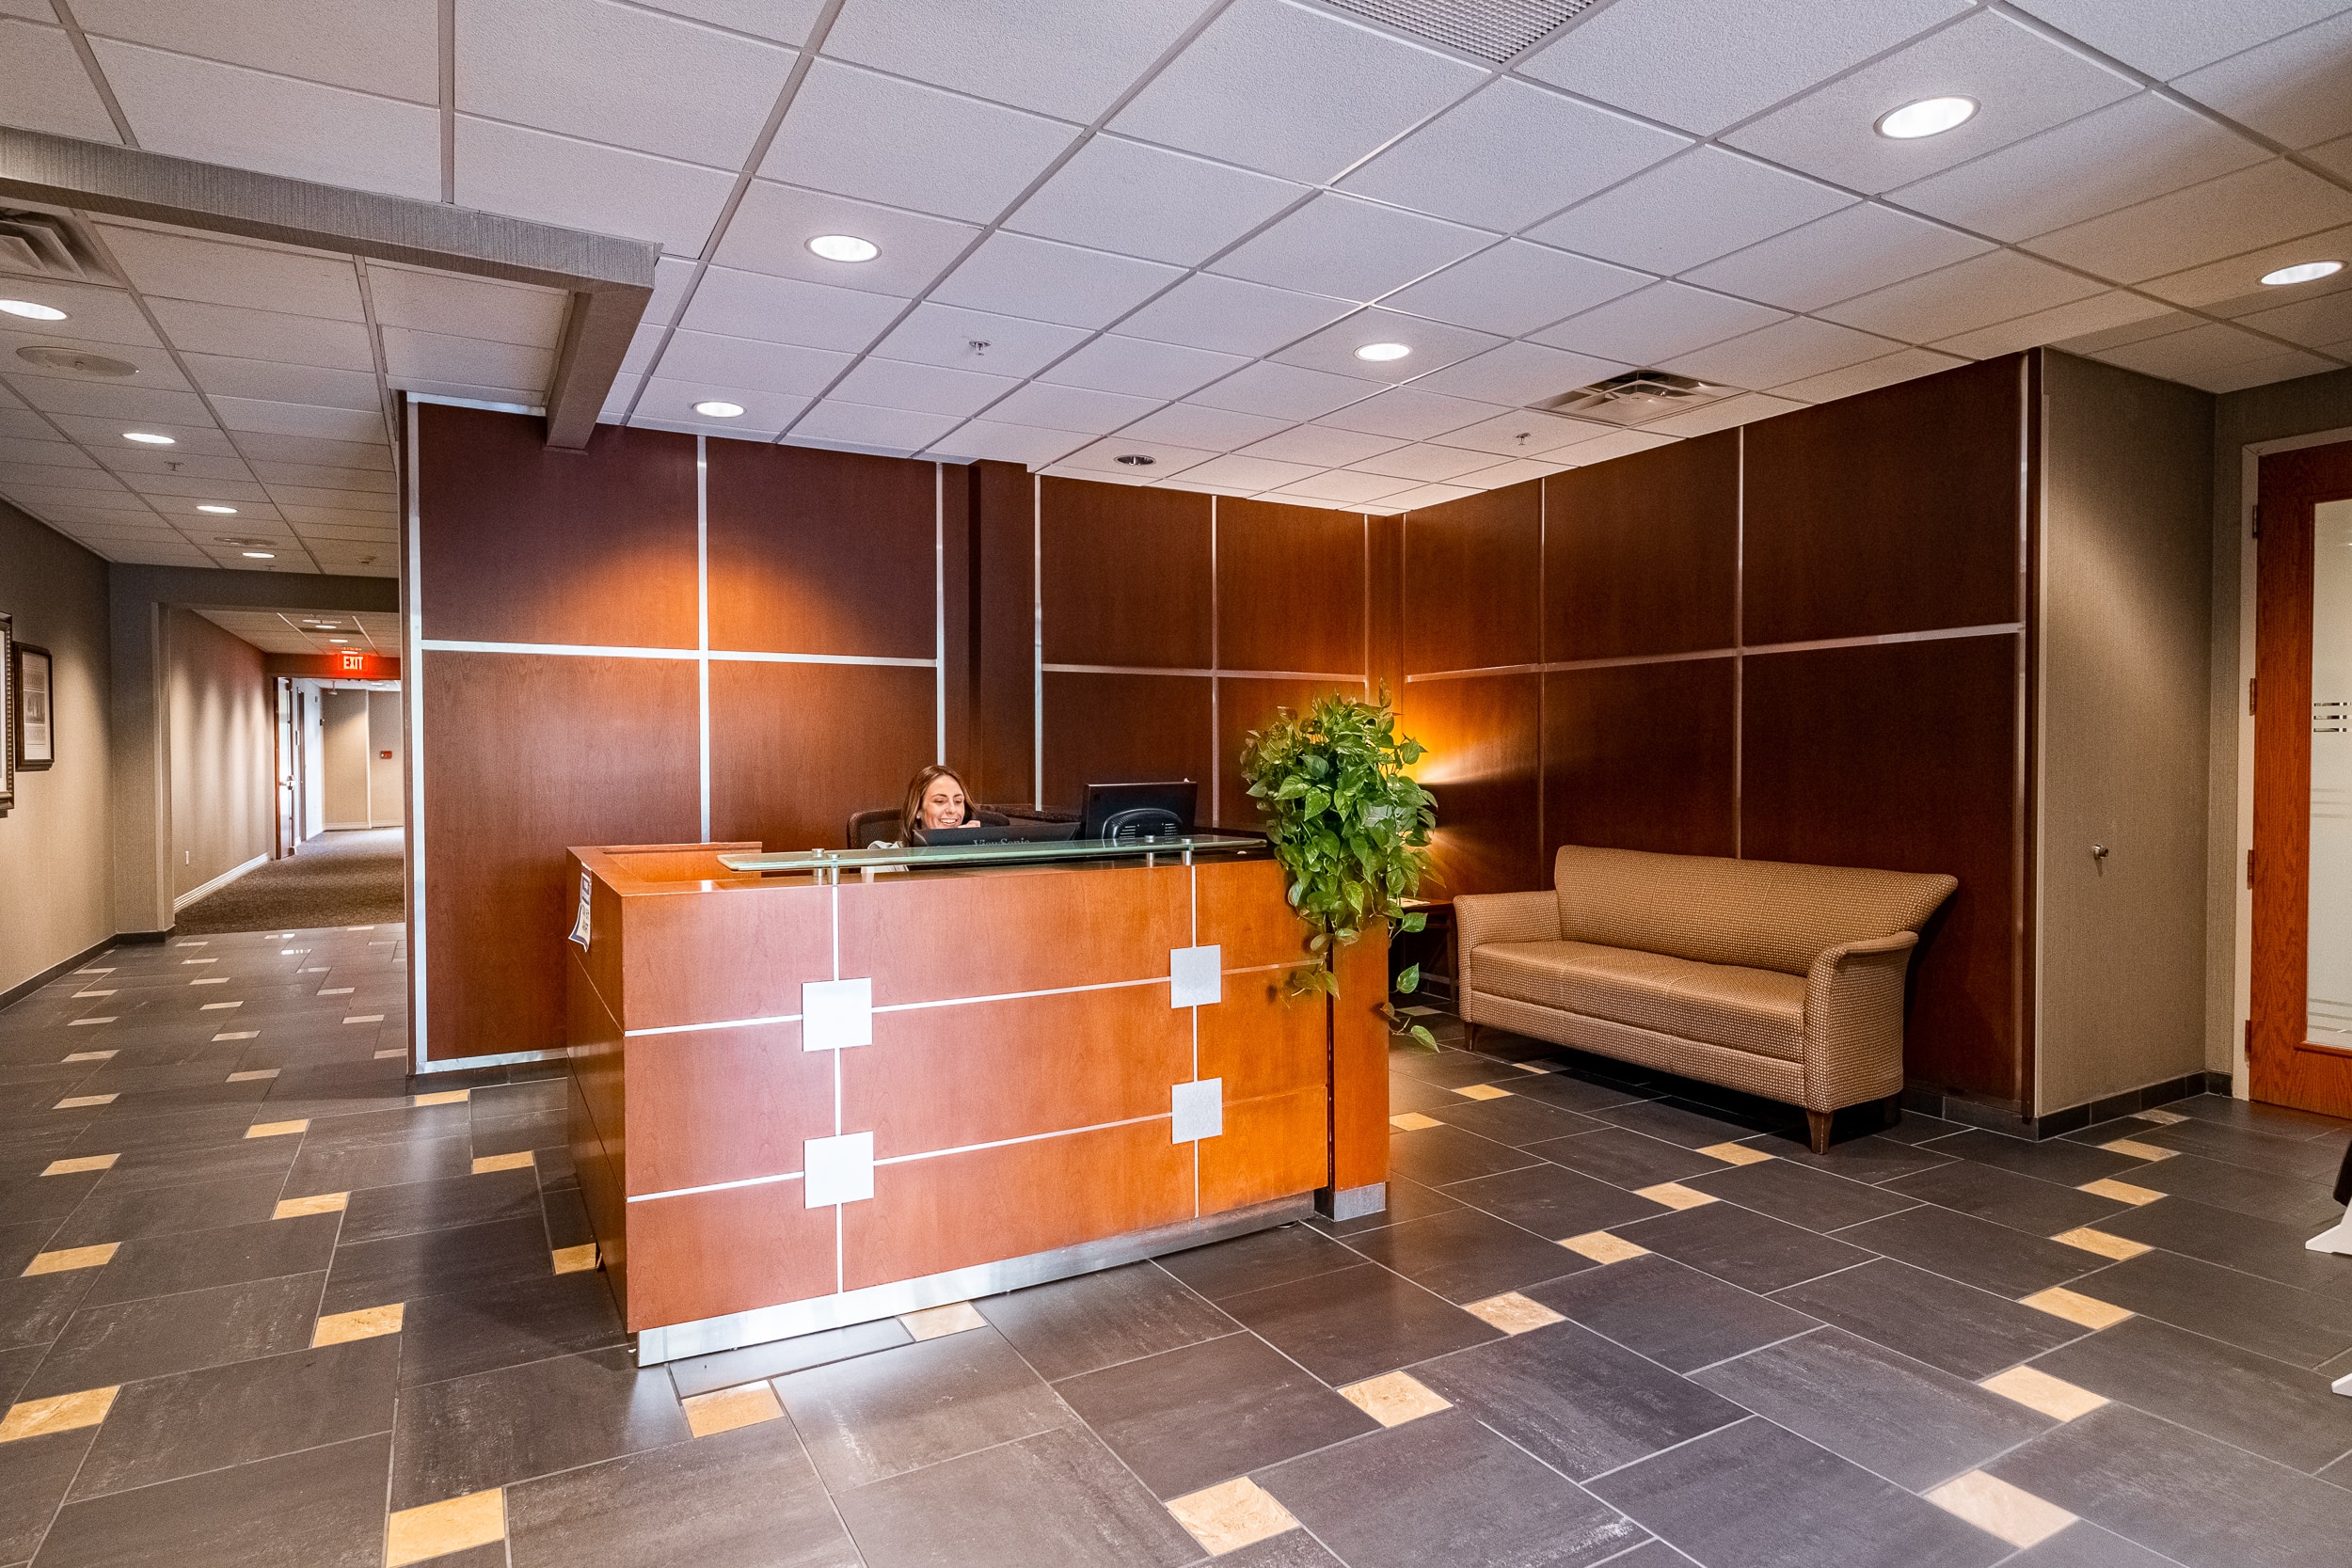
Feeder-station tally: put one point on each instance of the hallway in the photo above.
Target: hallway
(343, 878)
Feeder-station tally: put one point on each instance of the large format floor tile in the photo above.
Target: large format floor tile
(1356, 1323)
(1098, 1320)
(471, 1434)
(1968, 1333)
(902, 1409)
(1673, 1314)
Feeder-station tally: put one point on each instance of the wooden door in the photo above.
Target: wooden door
(2292, 1058)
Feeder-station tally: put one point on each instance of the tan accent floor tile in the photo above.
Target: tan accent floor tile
(1735, 1154)
(75, 1102)
(934, 1323)
(1673, 1194)
(1601, 1247)
(2138, 1151)
(1229, 1517)
(2162, 1119)
(2101, 1242)
(436, 1530)
(384, 1055)
(69, 1258)
(277, 1129)
(57, 1412)
(1413, 1121)
(368, 1323)
(77, 1022)
(489, 1163)
(1535, 1067)
(317, 1203)
(446, 1096)
(255, 1076)
(1483, 1091)
(2038, 1390)
(236, 1035)
(2090, 1311)
(219, 1006)
(91, 1055)
(81, 1163)
(576, 1259)
(708, 1414)
(1512, 1312)
(1393, 1399)
(2123, 1192)
(1996, 1506)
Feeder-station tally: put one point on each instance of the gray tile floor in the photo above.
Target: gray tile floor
(264, 1301)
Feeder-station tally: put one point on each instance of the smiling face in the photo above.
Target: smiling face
(943, 803)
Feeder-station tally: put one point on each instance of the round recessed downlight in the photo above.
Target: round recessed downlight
(338, 639)
(218, 511)
(1380, 354)
(1927, 118)
(715, 410)
(149, 439)
(260, 555)
(31, 311)
(1136, 459)
(2302, 272)
(844, 247)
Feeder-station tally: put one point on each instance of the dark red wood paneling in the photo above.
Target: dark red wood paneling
(1642, 553)
(1642, 756)
(1903, 756)
(1482, 733)
(796, 749)
(1126, 576)
(1244, 705)
(1125, 729)
(522, 543)
(1006, 636)
(1291, 585)
(1899, 510)
(1474, 569)
(822, 552)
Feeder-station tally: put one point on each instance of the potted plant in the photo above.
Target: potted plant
(1348, 827)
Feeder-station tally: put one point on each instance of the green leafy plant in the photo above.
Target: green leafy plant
(1348, 827)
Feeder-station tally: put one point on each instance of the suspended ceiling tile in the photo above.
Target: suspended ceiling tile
(1104, 457)
(2095, 314)
(230, 272)
(288, 339)
(1421, 497)
(261, 379)
(411, 358)
(784, 21)
(1338, 487)
(1846, 253)
(1076, 408)
(894, 430)
(1514, 471)
(1518, 373)
(102, 434)
(44, 87)
(1142, 201)
(1424, 463)
(1349, 249)
(2160, 323)
(297, 418)
(582, 184)
(241, 492)
(1143, 368)
(2234, 286)
(369, 481)
(1028, 445)
(771, 231)
(485, 308)
(1238, 92)
(1410, 414)
(290, 498)
(2114, 157)
(935, 334)
(110, 400)
(39, 492)
(1777, 355)
(1657, 322)
(1514, 288)
(618, 399)
(2168, 40)
(1190, 424)
(2313, 323)
(1522, 432)
(620, 75)
(1066, 57)
(1991, 288)
(2297, 91)
(1324, 445)
(1229, 316)
(706, 358)
(1247, 474)
(921, 388)
(47, 476)
(225, 113)
(1510, 155)
(1746, 408)
(2260, 206)
(670, 402)
(330, 454)
(1706, 204)
(2335, 156)
(62, 454)
(2213, 357)
(94, 314)
(1044, 281)
(153, 366)
(1615, 443)
(1284, 392)
(877, 137)
(644, 345)
(1434, 345)
(786, 311)
(387, 47)
(671, 274)
(2284, 366)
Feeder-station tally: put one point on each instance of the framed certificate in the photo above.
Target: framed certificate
(36, 711)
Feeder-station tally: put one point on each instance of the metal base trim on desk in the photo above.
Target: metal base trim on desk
(709, 1336)
(1351, 1203)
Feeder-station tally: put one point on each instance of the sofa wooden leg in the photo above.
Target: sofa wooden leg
(1469, 1035)
(1816, 1130)
(1894, 1117)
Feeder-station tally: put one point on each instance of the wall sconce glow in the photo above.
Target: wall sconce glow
(31, 311)
(219, 511)
(149, 439)
(716, 410)
(2302, 272)
(1929, 117)
(1380, 354)
(260, 555)
(844, 247)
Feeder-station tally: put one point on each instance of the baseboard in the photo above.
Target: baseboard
(26, 988)
(217, 883)
(2003, 1116)
(342, 827)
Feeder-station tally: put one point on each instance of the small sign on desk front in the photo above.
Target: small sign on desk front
(579, 926)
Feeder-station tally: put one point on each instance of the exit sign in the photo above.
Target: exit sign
(351, 662)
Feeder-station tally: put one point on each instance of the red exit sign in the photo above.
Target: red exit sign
(351, 662)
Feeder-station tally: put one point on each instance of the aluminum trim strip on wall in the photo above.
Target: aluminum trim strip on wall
(1037, 638)
(2004, 628)
(412, 691)
(939, 605)
(702, 620)
(1202, 674)
(733, 655)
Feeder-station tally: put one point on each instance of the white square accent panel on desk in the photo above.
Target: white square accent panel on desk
(1196, 976)
(837, 1170)
(836, 1013)
(1197, 1110)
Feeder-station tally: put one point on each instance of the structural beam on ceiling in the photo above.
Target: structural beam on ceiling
(610, 278)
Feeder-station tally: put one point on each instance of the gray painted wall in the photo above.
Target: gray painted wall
(2124, 614)
(222, 751)
(56, 846)
(344, 721)
(384, 758)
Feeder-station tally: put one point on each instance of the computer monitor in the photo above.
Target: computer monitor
(1017, 830)
(1140, 811)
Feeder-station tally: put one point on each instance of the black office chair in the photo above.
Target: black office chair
(883, 827)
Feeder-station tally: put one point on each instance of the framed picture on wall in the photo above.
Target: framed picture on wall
(35, 712)
(7, 714)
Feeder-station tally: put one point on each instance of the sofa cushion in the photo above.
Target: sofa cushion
(1749, 1009)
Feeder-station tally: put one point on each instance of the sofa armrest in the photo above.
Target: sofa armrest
(1854, 1022)
(1488, 917)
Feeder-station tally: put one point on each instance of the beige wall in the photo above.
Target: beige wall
(344, 777)
(384, 758)
(221, 750)
(56, 846)
(2125, 639)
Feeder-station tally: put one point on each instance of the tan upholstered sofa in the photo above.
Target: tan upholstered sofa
(1786, 981)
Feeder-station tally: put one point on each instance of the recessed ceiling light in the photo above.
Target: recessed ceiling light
(1381, 353)
(2302, 272)
(219, 511)
(1927, 118)
(844, 247)
(1136, 459)
(35, 312)
(338, 639)
(717, 410)
(260, 555)
(149, 439)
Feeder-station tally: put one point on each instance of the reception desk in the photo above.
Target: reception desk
(824, 1094)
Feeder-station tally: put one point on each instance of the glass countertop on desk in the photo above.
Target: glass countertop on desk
(957, 856)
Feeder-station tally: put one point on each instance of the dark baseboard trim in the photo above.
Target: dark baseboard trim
(134, 937)
(2003, 1116)
(26, 988)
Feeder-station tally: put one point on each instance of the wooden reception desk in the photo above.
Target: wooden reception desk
(806, 1100)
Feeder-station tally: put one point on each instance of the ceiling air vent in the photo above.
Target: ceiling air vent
(42, 244)
(1636, 397)
(1491, 30)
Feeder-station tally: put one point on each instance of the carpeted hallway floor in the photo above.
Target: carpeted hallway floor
(349, 878)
